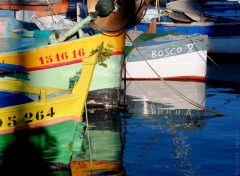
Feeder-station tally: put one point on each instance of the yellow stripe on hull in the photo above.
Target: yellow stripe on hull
(19, 86)
(65, 53)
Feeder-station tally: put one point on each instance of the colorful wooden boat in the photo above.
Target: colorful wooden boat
(169, 57)
(60, 63)
(51, 58)
(40, 127)
(44, 87)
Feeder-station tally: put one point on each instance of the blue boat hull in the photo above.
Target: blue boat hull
(224, 38)
(223, 29)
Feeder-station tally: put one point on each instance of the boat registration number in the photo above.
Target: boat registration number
(27, 118)
(62, 56)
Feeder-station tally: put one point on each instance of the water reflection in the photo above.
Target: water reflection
(161, 108)
(21, 156)
(156, 97)
(28, 150)
(102, 148)
(163, 119)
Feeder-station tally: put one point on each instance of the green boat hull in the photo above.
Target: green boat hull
(49, 147)
(104, 88)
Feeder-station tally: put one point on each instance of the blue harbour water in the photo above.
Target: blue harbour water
(157, 145)
(212, 149)
(161, 135)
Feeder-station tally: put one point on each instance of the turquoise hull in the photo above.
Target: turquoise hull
(65, 76)
(103, 78)
(51, 146)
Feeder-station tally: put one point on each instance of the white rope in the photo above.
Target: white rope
(174, 90)
(89, 141)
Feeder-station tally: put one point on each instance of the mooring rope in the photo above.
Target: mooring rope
(228, 75)
(88, 135)
(218, 66)
(173, 89)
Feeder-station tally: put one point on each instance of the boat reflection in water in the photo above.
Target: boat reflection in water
(109, 137)
(102, 147)
(161, 107)
(172, 98)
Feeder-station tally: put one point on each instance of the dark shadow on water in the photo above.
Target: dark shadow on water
(223, 71)
(22, 156)
(26, 153)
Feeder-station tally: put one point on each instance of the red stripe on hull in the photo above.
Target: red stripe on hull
(43, 124)
(54, 65)
(177, 78)
(118, 53)
(64, 63)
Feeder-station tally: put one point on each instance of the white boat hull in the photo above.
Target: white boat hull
(190, 66)
(174, 59)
